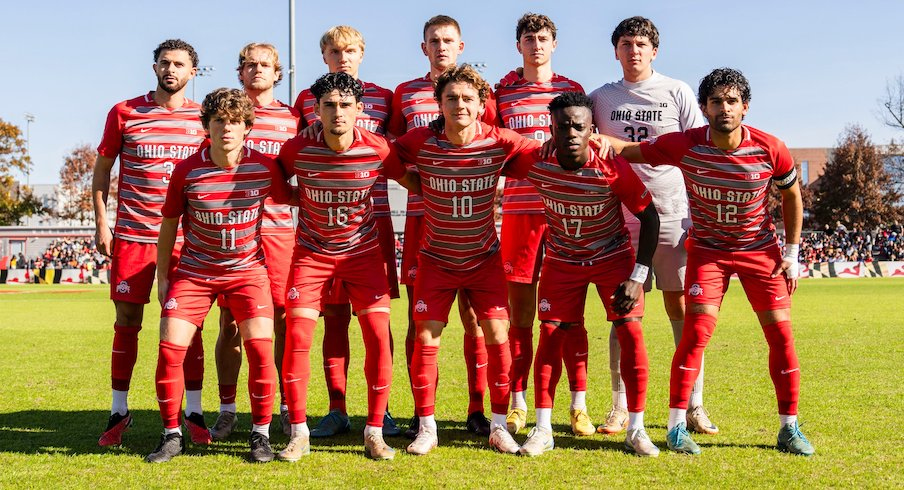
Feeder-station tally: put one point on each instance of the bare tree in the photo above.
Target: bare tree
(75, 181)
(892, 103)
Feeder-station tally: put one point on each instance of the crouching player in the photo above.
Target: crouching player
(219, 193)
(589, 244)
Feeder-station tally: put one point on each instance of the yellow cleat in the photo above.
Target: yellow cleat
(516, 420)
(580, 423)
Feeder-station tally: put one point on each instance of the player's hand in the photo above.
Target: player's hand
(626, 296)
(510, 78)
(547, 149)
(791, 270)
(312, 130)
(103, 239)
(162, 290)
(602, 146)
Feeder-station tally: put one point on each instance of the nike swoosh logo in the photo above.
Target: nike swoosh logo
(144, 130)
(701, 172)
(581, 354)
(790, 371)
(779, 298)
(202, 196)
(418, 101)
(500, 308)
(163, 401)
(500, 385)
(420, 387)
(545, 186)
(378, 388)
(260, 397)
(686, 368)
(378, 296)
(328, 366)
(118, 351)
(261, 307)
(313, 174)
(482, 365)
(292, 380)
(434, 162)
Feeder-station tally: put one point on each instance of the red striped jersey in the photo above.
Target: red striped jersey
(221, 212)
(458, 184)
(583, 206)
(274, 125)
(413, 106)
(524, 108)
(149, 140)
(377, 108)
(335, 214)
(727, 189)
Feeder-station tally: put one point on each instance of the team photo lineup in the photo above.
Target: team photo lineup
(279, 215)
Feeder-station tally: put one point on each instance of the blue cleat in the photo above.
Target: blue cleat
(792, 440)
(333, 424)
(390, 428)
(679, 440)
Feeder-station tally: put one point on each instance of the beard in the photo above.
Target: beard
(171, 88)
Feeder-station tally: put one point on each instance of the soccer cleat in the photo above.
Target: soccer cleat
(284, 422)
(332, 424)
(425, 441)
(170, 445)
(616, 421)
(478, 424)
(792, 440)
(298, 446)
(698, 421)
(679, 440)
(390, 428)
(538, 441)
(638, 442)
(580, 423)
(413, 426)
(196, 429)
(116, 426)
(516, 420)
(261, 452)
(502, 441)
(376, 448)
(223, 427)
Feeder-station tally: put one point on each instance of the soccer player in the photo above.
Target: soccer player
(522, 98)
(259, 71)
(588, 244)
(414, 106)
(337, 240)
(148, 134)
(459, 160)
(219, 194)
(342, 48)
(643, 105)
(728, 168)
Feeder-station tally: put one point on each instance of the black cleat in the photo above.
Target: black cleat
(478, 424)
(117, 424)
(413, 427)
(261, 452)
(170, 445)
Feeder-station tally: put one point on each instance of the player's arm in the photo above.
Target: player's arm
(395, 167)
(629, 292)
(793, 217)
(100, 191)
(165, 243)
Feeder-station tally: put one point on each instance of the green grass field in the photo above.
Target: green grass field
(54, 402)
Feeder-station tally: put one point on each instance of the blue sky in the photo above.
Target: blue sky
(813, 66)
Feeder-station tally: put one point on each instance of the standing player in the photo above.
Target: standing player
(642, 105)
(582, 194)
(148, 134)
(337, 241)
(342, 48)
(728, 168)
(259, 71)
(459, 160)
(219, 195)
(414, 106)
(523, 101)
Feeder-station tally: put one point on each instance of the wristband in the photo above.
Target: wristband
(640, 273)
(791, 252)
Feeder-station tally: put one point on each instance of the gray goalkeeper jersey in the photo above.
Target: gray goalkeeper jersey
(642, 111)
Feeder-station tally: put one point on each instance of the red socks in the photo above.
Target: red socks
(548, 364)
(783, 366)
(500, 365)
(261, 379)
(125, 353)
(336, 358)
(170, 382)
(634, 364)
(297, 366)
(194, 363)
(522, 343)
(574, 353)
(377, 364)
(475, 350)
(424, 373)
(698, 329)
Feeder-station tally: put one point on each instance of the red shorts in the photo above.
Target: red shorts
(562, 292)
(522, 239)
(278, 252)
(709, 270)
(134, 268)
(484, 285)
(414, 231)
(313, 274)
(190, 298)
(336, 295)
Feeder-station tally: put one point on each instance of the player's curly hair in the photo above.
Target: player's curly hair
(571, 99)
(177, 45)
(723, 77)
(441, 20)
(228, 104)
(636, 26)
(531, 22)
(274, 54)
(341, 81)
(463, 73)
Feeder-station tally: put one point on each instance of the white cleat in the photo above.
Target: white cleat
(502, 441)
(638, 442)
(539, 440)
(425, 441)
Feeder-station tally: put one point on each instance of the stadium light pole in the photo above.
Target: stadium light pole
(203, 71)
(480, 66)
(291, 51)
(29, 118)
